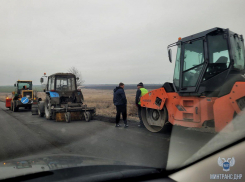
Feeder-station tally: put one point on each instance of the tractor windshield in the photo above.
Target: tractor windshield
(65, 84)
(24, 85)
(238, 51)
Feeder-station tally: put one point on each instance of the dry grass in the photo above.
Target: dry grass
(41, 95)
(101, 99)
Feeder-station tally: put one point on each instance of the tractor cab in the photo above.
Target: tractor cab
(62, 82)
(63, 88)
(22, 86)
(23, 89)
(207, 60)
(63, 100)
(22, 96)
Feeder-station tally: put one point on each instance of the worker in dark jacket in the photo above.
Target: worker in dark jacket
(140, 92)
(120, 101)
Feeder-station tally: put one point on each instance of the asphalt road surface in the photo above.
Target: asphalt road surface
(23, 134)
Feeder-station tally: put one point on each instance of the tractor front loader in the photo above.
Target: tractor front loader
(208, 86)
(23, 96)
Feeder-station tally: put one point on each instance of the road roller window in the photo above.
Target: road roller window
(238, 47)
(219, 59)
(193, 59)
(177, 68)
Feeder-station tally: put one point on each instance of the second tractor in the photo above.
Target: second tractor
(63, 101)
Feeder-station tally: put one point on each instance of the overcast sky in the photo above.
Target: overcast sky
(108, 41)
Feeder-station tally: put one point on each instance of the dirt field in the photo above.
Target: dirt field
(102, 100)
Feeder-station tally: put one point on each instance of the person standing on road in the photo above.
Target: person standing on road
(120, 101)
(140, 92)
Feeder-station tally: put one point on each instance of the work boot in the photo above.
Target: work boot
(117, 125)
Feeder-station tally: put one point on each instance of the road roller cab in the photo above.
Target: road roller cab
(208, 83)
(63, 101)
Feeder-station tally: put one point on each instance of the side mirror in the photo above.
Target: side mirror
(77, 78)
(170, 55)
(15, 85)
(41, 80)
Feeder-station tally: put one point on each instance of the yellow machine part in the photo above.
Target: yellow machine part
(27, 91)
(74, 116)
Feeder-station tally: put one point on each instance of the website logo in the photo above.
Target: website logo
(226, 164)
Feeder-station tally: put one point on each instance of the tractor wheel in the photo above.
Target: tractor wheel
(40, 109)
(47, 109)
(87, 116)
(40, 114)
(34, 109)
(154, 120)
(15, 108)
(68, 117)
